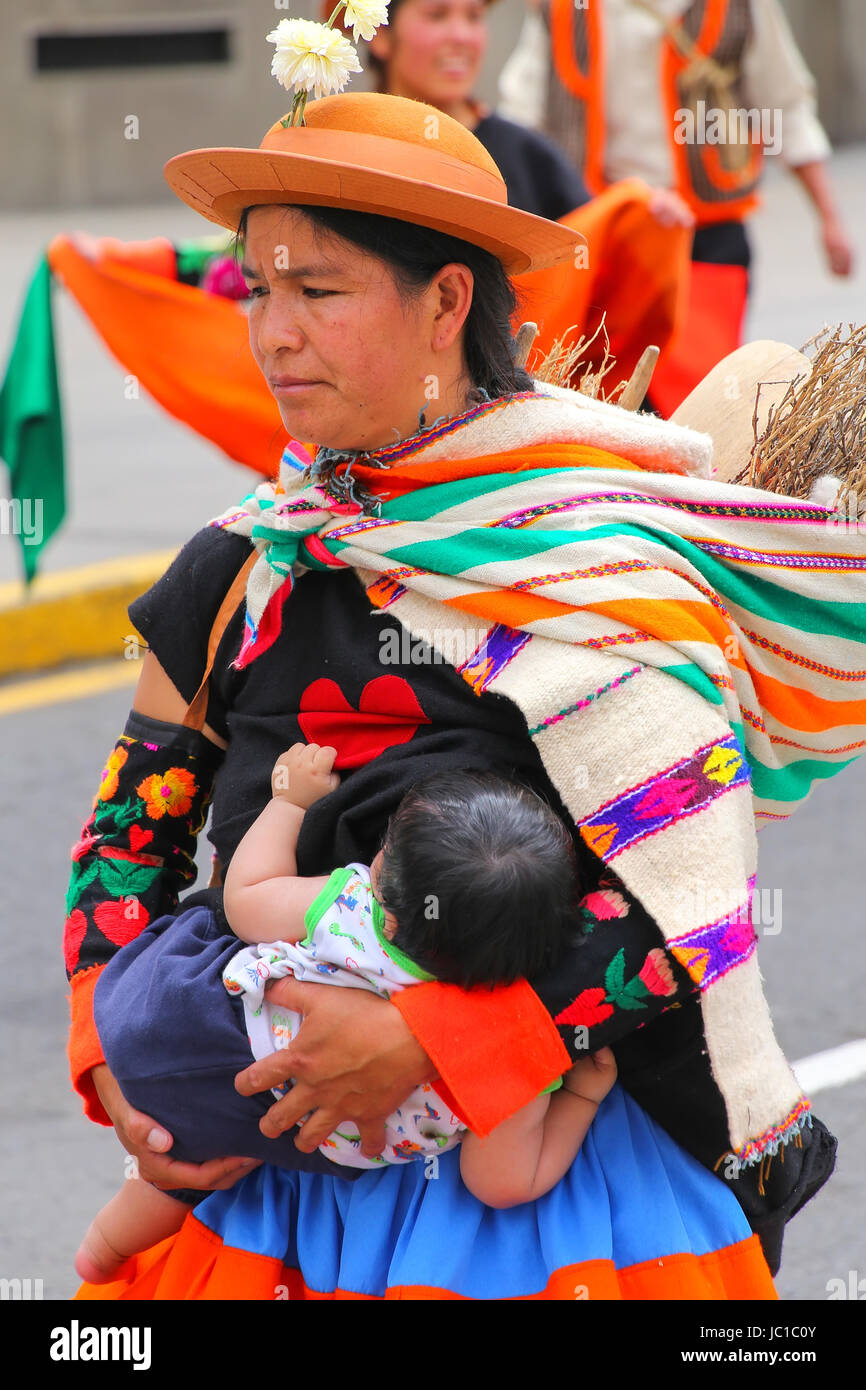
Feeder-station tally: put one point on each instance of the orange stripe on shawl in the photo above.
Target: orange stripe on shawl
(800, 709)
(405, 478)
(674, 620)
(507, 606)
(668, 620)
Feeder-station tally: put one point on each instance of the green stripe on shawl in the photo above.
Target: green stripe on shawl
(793, 782)
(425, 502)
(790, 783)
(478, 545)
(454, 555)
(699, 680)
(768, 600)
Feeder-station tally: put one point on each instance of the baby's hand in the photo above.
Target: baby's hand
(592, 1076)
(302, 775)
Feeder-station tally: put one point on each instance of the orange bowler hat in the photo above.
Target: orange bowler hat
(380, 154)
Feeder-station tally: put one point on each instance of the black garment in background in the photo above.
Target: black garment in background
(722, 243)
(540, 178)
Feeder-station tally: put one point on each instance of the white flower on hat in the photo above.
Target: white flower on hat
(365, 17)
(312, 57)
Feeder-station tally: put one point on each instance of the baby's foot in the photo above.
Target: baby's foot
(97, 1262)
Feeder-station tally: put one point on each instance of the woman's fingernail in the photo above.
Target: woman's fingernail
(159, 1140)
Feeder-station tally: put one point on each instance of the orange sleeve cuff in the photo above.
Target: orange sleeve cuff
(495, 1050)
(85, 1049)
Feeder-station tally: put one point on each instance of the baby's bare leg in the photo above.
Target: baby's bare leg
(138, 1217)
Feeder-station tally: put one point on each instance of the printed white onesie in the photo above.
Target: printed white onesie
(346, 945)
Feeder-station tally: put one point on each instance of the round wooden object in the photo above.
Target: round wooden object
(723, 404)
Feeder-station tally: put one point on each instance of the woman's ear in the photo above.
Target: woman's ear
(452, 287)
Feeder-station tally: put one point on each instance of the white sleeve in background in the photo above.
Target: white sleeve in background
(523, 80)
(776, 78)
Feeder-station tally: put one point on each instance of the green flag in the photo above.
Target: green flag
(194, 256)
(31, 427)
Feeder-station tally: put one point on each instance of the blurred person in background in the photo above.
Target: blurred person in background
(432, 50)
(687, 95)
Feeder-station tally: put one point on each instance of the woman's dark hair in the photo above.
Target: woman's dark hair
(415, 254)
(481, 876)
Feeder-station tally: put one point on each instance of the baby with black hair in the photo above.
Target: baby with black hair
(476, 885)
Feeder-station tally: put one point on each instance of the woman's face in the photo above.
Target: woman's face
(433, 49)
(345, 354)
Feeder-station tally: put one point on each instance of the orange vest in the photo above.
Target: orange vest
(717, 180)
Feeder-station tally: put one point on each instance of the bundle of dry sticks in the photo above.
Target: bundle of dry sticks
(815, 432)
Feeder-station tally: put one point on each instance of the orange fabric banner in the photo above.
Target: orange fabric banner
(711, 328)
(635, 278)
(189, 349)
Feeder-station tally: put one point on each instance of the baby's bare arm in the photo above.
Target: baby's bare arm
(528, 1153)
(264, 899)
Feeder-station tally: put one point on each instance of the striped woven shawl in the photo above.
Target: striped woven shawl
(688, 656)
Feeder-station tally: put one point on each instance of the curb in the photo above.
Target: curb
(73, 615)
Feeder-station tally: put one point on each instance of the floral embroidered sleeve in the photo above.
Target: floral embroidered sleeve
(616, 975)
(135, 855)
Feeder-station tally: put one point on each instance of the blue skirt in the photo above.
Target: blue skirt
(635, 1217)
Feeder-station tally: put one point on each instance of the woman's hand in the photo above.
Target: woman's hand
(148, 1143)
(353, 1059)
(668, 208)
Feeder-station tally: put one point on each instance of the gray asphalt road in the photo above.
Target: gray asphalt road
(61, 1167)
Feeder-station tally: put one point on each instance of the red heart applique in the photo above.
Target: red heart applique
(139, 837)
(121, 921)
(76, 926)
(388, 714)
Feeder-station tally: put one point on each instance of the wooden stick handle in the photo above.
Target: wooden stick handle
(524, 338)
(638, 383)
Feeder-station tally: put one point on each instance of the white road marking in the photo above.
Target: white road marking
(836, 1067)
